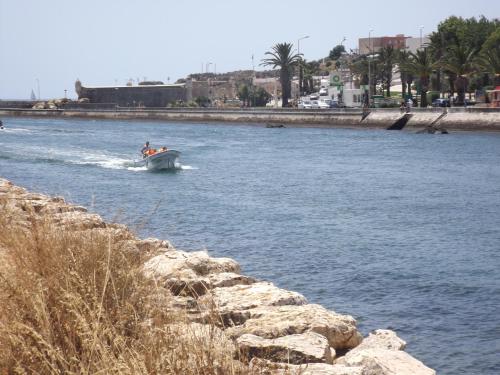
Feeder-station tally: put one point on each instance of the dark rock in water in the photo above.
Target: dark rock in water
(275, 126)
(432, 130)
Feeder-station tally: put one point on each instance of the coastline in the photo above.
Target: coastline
(455, 119)
(273, 328)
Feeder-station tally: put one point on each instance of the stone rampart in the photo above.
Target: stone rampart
(135, 96)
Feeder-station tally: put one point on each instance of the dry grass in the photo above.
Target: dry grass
(75, 303)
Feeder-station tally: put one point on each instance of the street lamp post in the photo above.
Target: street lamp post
(38, 88)
(300, 65)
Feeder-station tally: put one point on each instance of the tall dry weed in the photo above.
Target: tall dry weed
(77, 303)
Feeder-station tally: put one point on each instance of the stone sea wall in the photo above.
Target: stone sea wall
(345, 118)
(271, 327)
(484, 119)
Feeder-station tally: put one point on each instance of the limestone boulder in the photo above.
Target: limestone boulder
(153, 245)
(381, 339)
(40, 105)
(239, 298)
(187, 273)
(277, 321)
(227, 279)
(386, 362)
(381, 353)
(75, 220)
(271, 368)
(306, 347)
(185, 282)
(203, 264)
(168, 263)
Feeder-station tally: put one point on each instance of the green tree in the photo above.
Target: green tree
(281, 56)
(403, 57)
(359, 69)
(421, 65)
(489, 58)
(253, 96)
(456, 31)
(460, 60)
(387, 59)
(336, 52)
(244, 94)
(259, 96)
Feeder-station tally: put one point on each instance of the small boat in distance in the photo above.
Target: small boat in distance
(160, 160)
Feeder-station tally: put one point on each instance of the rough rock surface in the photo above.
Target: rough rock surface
(273, 368)
(307, 347)
(382, 339)
(381, 354)
(244, 297)
(253, 317)
(386, 362)
(273, 322)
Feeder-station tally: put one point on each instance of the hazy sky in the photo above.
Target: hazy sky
(103, 42)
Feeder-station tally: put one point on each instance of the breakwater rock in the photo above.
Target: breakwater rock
(274, 331)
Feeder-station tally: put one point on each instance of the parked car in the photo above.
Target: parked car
(304, 104)
(469, 102)
(441, 103)
(314, 104)
(314, 96)
(324, 104)
(323, 91)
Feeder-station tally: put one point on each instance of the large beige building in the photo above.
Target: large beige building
(400, 41)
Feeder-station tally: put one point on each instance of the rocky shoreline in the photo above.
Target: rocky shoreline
(274, 330)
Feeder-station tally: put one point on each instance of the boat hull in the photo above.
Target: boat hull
(160, 160)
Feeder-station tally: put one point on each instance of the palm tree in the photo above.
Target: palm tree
(282, 56)
(460, 60)
(420, 64)
(489, 61)
(387, 58)
(403, 57)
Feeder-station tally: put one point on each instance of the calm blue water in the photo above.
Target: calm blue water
(400, 230)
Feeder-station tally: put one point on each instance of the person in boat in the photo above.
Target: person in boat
(163, 149)
(145, 149)
(1, 125)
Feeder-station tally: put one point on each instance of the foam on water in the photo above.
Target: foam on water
(77, 156)
(137, 169)
(16, 130)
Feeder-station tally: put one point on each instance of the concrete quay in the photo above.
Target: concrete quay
(465, 119)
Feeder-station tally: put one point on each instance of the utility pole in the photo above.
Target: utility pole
(369, 66)
(300, 66)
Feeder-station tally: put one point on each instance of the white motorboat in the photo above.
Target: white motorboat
(160, 160)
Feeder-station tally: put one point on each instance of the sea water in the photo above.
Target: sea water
(400, 230)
